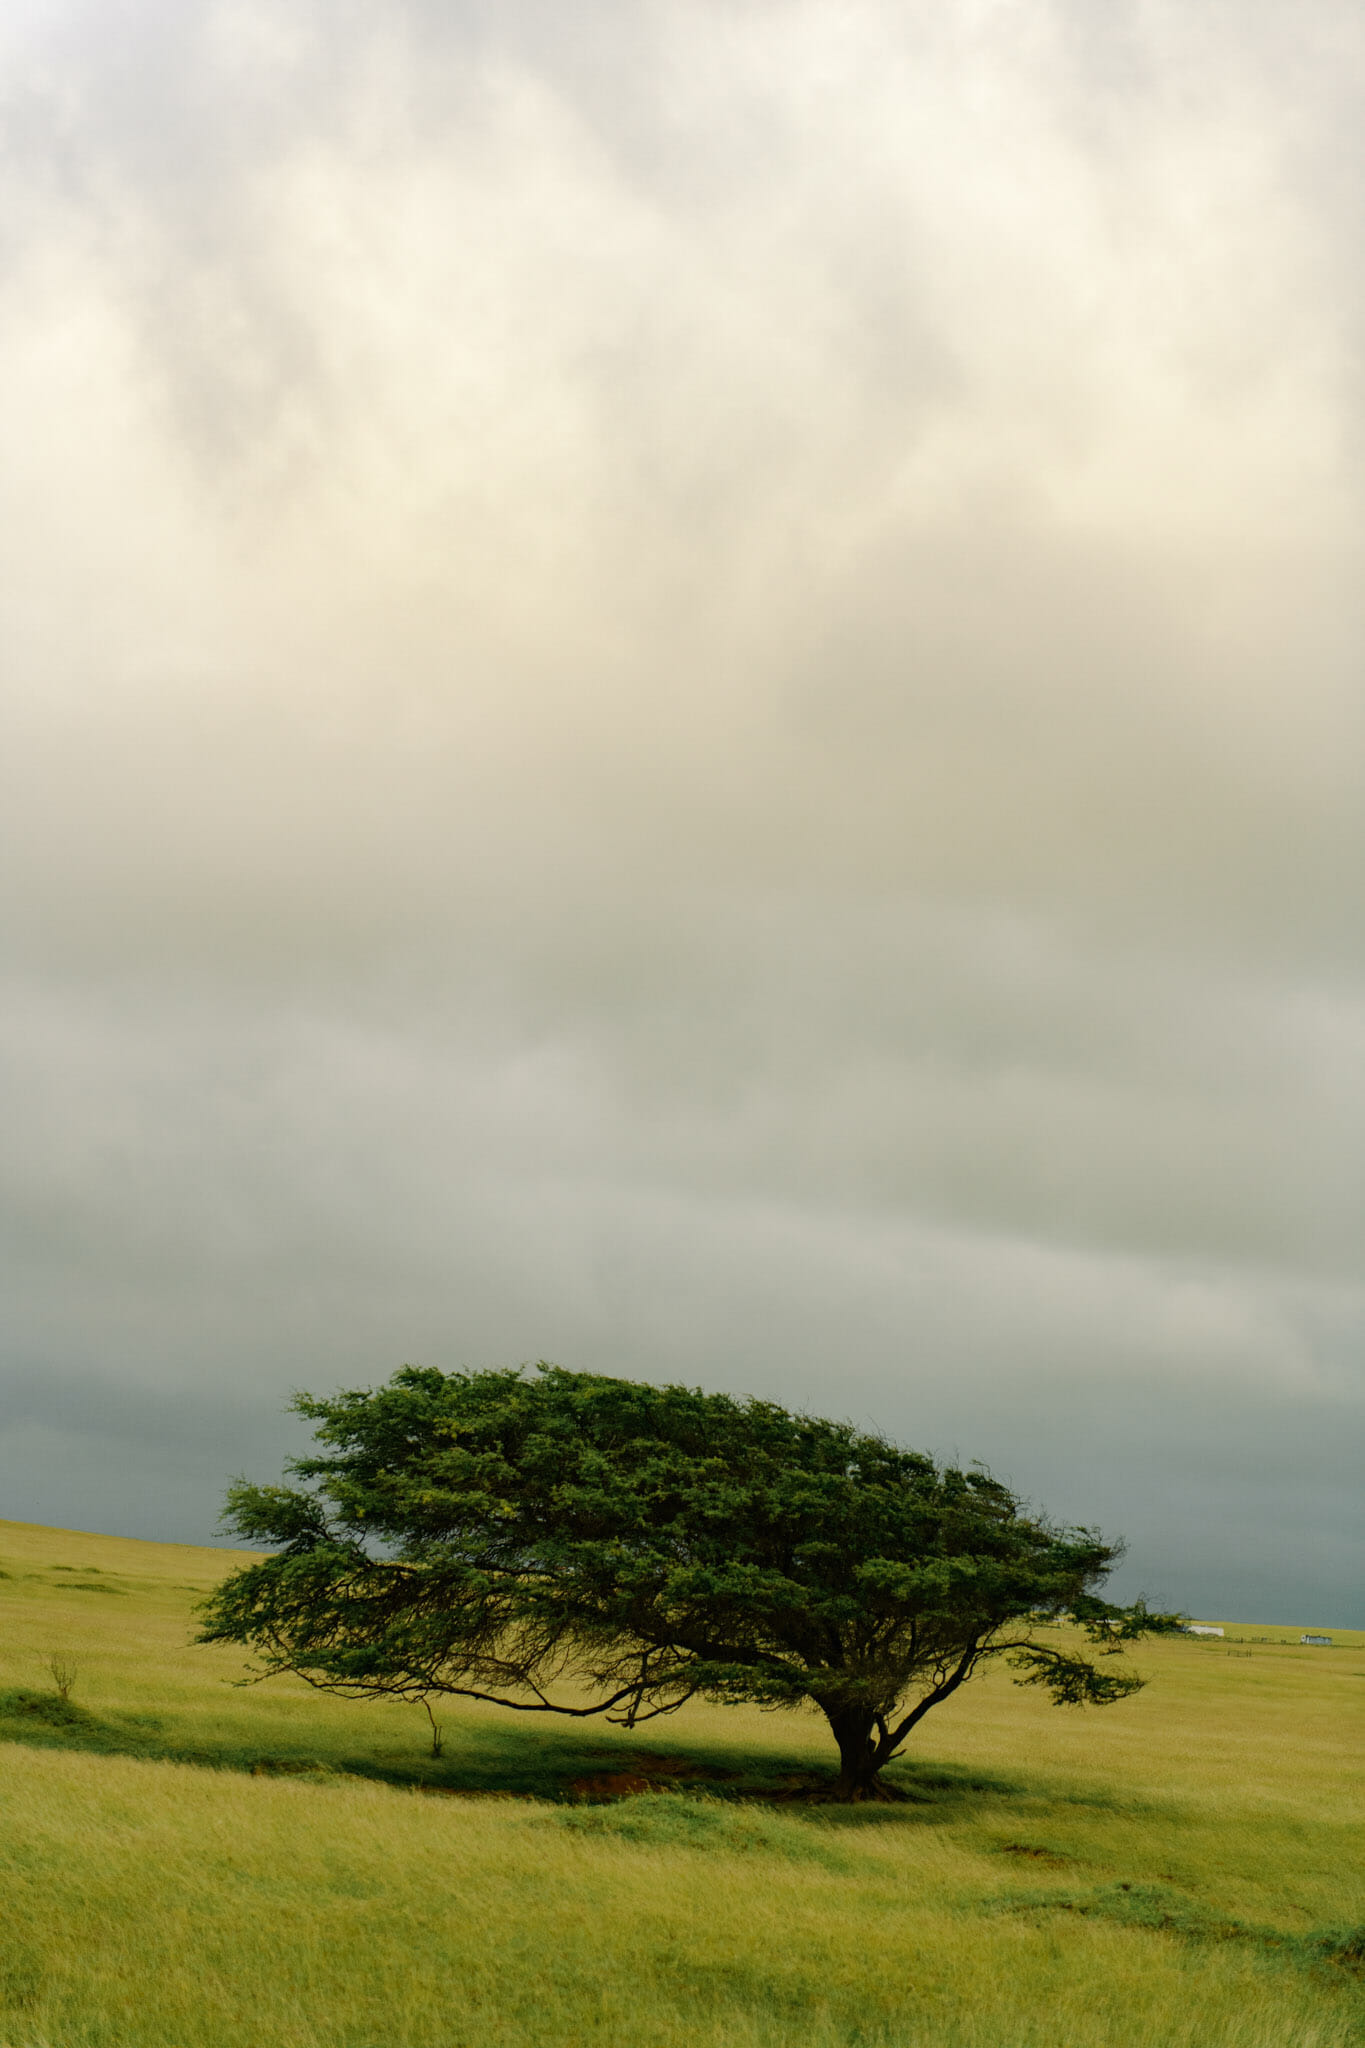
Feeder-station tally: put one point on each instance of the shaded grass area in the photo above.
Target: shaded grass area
(1162, 1910)
(663, 1820)
(488, 1759)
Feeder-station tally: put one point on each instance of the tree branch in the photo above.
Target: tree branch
(886, 1750)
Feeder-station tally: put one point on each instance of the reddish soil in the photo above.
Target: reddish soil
(649, 1774)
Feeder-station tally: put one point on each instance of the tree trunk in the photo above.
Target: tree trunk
(859, 1758)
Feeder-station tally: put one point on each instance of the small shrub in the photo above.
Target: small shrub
(437, 1731)
(63, 1675)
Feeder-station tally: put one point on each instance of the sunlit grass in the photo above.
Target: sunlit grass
(1165, 1872)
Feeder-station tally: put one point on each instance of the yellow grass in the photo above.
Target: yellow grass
(168, 1905)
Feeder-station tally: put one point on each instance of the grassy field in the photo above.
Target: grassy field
(190, 1865)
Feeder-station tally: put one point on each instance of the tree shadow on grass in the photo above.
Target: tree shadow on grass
(927, 1790)
(544, 1763)
(44, 1720)
(509, 1761)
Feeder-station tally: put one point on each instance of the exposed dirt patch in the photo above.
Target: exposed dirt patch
(647, 1773)
(1034, 1853)
(653, 1766)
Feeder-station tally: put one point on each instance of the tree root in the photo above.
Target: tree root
(876, 1793)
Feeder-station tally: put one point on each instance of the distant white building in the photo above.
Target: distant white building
(1201, 1628)
(1324, 1641)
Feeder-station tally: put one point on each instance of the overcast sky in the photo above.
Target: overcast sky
(682, 692)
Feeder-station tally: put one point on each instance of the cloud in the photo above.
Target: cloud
(685, 695)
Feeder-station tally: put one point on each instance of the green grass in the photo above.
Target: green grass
(190, 1865)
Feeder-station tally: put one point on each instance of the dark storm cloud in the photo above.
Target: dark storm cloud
(684, 695)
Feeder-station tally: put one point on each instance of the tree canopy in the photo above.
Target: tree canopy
(563, 1542)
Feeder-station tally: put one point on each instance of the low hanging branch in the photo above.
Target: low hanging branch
(566, 1543)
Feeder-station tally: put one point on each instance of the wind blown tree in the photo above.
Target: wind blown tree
(510, 1537)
